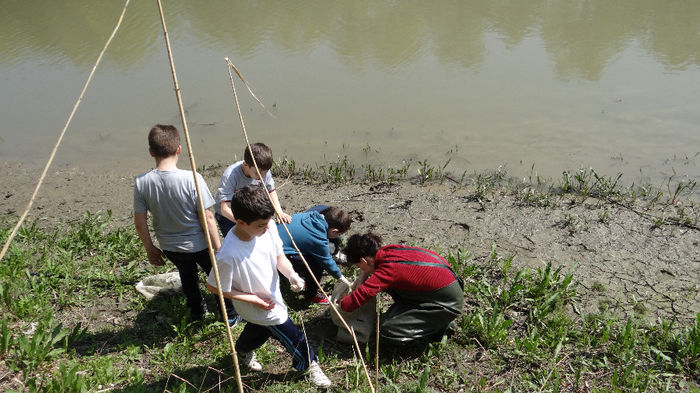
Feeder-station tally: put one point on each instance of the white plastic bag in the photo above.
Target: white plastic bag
(165, 283)
(361, 320)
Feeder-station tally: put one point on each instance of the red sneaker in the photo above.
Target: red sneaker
(319, 298)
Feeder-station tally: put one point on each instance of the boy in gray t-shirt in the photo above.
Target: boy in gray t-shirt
(241, 174)
(170, 195)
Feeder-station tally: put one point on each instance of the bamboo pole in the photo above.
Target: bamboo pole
(255, 164)
(60, 138)
(199, 197)
(376, 345)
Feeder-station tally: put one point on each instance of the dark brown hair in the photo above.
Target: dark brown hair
(163, 140)
(262, 154)
(251, 203)
(360, 246)
(337, 218)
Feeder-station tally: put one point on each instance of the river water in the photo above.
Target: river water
(536, 86)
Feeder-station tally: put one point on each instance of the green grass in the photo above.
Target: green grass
(71, 322)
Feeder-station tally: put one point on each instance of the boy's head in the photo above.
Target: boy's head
(263, 157)
(361, 250)
(251, 203)
(163, 141)
(338, 221)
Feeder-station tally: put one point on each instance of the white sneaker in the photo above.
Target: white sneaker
(251, 361)
(317, 377)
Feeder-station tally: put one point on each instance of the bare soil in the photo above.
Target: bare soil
(631, 256)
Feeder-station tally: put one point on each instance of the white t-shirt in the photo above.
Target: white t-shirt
(251, 267)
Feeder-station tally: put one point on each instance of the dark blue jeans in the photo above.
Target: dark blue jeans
(186, 263)
(254, 336)
(316, 268)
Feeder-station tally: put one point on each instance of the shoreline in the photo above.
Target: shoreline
(629, 254)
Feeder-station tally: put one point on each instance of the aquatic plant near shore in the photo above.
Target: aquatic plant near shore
(427, 172)
(681, 186)
(339, 171)
(587, 182)
(529, 191)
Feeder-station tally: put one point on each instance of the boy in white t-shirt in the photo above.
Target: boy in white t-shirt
(249, 262)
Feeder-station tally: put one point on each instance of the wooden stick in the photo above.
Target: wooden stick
(60, 138)
(308, 346)
(376, 355)
(199, 199)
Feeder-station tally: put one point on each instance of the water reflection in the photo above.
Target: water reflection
(559, 84)
(75, 31)
(580, 36)
(583, 37)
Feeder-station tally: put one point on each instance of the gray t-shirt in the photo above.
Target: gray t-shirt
(234, 179)
(171, 198)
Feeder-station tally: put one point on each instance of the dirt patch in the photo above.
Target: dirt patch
(633, 256)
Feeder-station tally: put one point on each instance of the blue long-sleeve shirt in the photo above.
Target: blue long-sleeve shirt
(310, 233)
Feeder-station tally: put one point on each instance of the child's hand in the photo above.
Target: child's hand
(296, 283)
(283, 217)
(155, 256)
(265, 304)
(341, 289)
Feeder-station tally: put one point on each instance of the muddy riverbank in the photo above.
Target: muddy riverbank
(629, 255)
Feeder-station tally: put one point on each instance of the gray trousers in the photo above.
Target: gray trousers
(421, 315)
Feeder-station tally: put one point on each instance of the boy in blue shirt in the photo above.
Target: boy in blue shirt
(249, 262)
(312, 231)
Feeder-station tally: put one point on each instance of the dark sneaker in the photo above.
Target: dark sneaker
(234, 320)
(199, 313)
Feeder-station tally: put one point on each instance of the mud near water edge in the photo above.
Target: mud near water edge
(624, 259)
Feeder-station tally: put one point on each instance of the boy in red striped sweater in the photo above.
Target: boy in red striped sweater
(427, 293)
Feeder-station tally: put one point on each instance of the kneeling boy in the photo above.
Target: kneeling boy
(248, 264)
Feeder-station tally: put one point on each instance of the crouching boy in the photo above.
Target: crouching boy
(313, 231)
(248, 264)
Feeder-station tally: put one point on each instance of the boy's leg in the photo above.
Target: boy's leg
(204, 262)
(252, 337)
(295, 342)
(311, 287)
(225, 224)
(186, 264)
(421, 315)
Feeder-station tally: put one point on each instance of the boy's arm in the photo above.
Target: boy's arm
(361, 294)
(210, 222)
(155, 254)
(322, 255)
(285, 267)
(265, 304)
(282, 216)
(226, 210)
